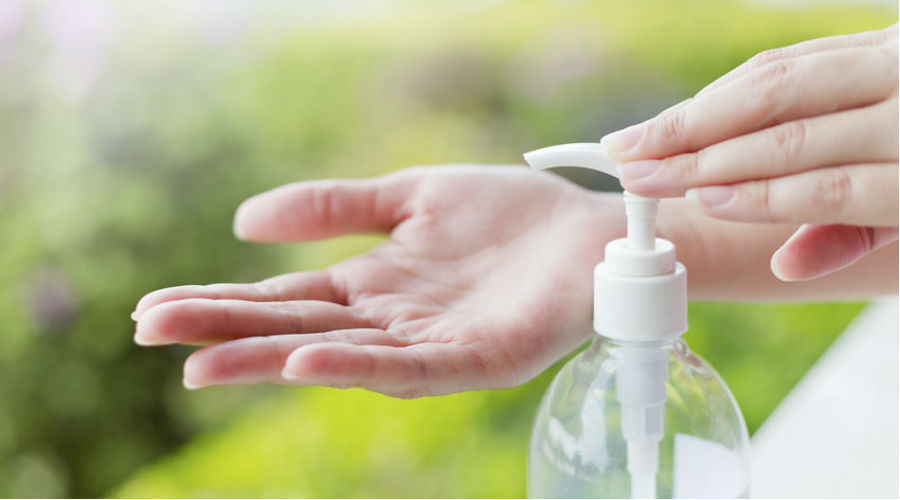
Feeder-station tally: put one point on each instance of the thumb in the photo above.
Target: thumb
(315, 210)
(816, 250)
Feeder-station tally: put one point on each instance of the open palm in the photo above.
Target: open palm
(484, 282)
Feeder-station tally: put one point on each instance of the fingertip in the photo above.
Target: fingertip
(192, 372)
(142, 305)
(159, 297)
(243, 216)
(784, 263)
(775, 265)
(190, 385)
(317, 363)
(621, 143)
(147, 330)
(691, 195)
(295, 366)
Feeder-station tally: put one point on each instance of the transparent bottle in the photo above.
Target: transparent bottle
(578, 447)
(636, 414)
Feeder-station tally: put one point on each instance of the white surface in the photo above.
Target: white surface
(835, 435)
(706, 469)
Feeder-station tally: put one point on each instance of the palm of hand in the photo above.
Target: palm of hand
(484, 282)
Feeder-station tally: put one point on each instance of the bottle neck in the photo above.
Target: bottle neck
(613, 345)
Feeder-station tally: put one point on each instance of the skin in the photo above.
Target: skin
(803, 134)
(486, 279)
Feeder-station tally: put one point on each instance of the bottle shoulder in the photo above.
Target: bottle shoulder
(588, 382)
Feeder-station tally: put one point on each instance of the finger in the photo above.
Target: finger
(261, 359)
(849, 137)
(322, 209)
(312, 285)
(814, 251)
(864, 195)
(406, 372)
(778, 92)
(807, 47)
(201, 321)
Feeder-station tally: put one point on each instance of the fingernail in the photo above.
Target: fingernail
(639, 169)
(293, 372)
(189, 385)
(623, 140)
(237, 227)
(776, 269)
(710, 196)
(142, 340)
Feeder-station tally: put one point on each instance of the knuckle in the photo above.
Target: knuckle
(266, 291)
(420, 371)
(768, 56)
(290, 315)
(669, 126)
(832, 192)
(693, 165)
(323, 204)
(762, 197)
(790, 139)
(768, 81)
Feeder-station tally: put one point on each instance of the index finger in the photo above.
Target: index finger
(776, 93)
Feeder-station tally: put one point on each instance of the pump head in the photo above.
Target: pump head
(640, 291)
(641, 211)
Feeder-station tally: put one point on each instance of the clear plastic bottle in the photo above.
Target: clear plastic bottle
(578, 449)
(636, 414)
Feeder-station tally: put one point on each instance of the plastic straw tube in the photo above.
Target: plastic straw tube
(643, 486)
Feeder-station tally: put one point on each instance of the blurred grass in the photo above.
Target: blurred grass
(429, 84)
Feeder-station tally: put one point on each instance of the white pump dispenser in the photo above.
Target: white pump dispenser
(640, 291)
(640, 311)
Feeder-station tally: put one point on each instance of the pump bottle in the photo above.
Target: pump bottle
(636, 414)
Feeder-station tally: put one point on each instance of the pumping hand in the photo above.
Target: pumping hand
(803, 134)
(484, 282)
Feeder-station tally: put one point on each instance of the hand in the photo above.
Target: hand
(803, 134)
(484, 282)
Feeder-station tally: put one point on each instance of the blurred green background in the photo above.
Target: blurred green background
(130, 131)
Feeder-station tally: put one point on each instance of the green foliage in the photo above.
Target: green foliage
(130, 186)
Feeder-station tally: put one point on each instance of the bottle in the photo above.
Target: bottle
(636, 414)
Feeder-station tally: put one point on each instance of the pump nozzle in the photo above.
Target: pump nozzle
(641, 211)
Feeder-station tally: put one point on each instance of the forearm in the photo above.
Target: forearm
(730, 261)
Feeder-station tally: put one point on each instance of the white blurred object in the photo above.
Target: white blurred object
(835, 434)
